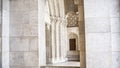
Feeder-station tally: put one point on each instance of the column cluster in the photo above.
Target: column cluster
(58, 39)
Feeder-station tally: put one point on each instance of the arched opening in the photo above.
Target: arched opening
(64, 33)
(73, 42)
(73, 53)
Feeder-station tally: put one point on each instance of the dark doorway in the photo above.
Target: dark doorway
(72, 44)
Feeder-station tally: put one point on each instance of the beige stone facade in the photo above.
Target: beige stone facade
(59, 33)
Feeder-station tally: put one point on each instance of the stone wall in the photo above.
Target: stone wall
(98, 33)
(102, 33)
(23, 37)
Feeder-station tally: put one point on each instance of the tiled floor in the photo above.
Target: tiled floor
(67, 64)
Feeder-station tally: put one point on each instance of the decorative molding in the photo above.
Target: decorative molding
(59, 20)
(72, 19)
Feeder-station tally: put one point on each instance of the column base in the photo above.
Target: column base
(58, 60)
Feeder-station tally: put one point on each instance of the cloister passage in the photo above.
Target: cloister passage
(59, 33)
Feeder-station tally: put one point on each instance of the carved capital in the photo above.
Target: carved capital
(64, 21)
(53, 19)
(59, 20)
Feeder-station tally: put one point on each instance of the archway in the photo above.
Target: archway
(73, 52)
(59, 25)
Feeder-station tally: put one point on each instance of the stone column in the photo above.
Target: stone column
(63, 40)
(53, 32)
(59, 37)
(98, 34)
(57, 40)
